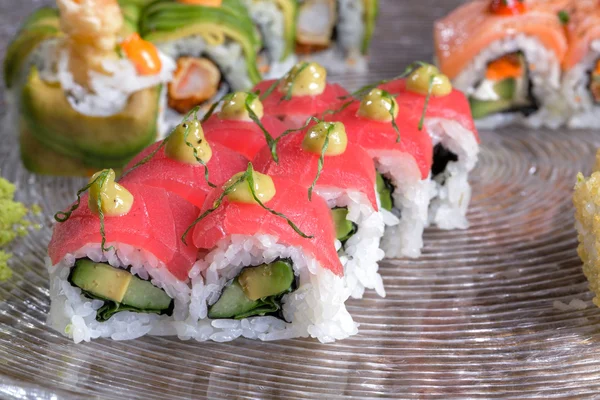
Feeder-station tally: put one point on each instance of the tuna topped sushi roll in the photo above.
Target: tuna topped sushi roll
(271, 269)
(215, 46)
(347, 182)
(581, 79)
(118, 267)
(447, 119)
(185, 164)
(403, 158)
(301, 94)
(336, 33)
(234, 127)
(77, 78)
(506, 56)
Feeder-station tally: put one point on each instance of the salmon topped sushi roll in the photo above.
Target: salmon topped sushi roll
(403, 157)
(118, 268)
(581, 80)
(270, 268)
(506, 56)
(234, 128)
(347, 181)
(301, 94)
(446, 117)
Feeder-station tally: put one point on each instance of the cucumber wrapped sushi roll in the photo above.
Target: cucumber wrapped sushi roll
(117, 265)
(336, 33)
(581, 79)
(83, 92)
(215, 48)
(186, 164)
(347, 182)
(270, 270)
(302, 93)
(403, 157)
(506, 56)
(448, 121)
(276, 20)
(235, 129)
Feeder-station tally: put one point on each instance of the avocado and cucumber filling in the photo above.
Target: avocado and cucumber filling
(119, 289)
(506, 87)
(255, 291)
(344, 228)
(385, 190)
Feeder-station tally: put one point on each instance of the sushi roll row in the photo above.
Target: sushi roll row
(531, 62)
(93, 82)
(262, 218)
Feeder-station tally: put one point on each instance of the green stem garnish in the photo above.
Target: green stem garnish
(277, 82)
(564, 17)
(292, 78)
(339, 110)
(429, 90)
(392, 111)
(63, 216)
(247, 176)
(321, 161)
(268, 137)
(200, 161)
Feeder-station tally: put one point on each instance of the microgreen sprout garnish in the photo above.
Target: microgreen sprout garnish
(247, 176)
(429, 90)
(63, 216)
(291, 76)
(392, 111)
(564, 17)
(321, 161)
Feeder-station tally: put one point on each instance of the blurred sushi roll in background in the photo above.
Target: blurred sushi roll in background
(506, 56)
(215, 48)
(83, 92)
(336, 33)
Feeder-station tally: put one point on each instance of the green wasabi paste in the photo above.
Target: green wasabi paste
(12, 223)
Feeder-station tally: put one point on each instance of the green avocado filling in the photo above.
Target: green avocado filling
(502, 95)
(344, 229)
(119, 289)
(255, 291)
(385, 190)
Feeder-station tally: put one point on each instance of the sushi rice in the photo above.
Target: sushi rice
(316, 308)
(452, 191)
(74, 314)
(575, 88)
(545, 78)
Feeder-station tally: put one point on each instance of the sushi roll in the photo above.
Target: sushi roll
(347, 182)
(117, 265)
(234, 128)
(215, 48)
(276, 20)
(581, 80)
(270, 270)
(403, 157)
(302, 93)
(506, 57)
(185, 164)
(447, 120)
(336, 33)
(83, 93)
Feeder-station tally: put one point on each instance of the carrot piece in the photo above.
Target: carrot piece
(505, 67)
(206, 3)
(142, 54)
(508, 7)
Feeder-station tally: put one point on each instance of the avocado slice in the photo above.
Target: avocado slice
(483, 108)
(371, 10)
(505, 89)
(131, 17)
(119, 288)
(266, 280)
(99, 142)
(344, 229)
(45, 16)
(255, 291)
(165, 21)
(385, 189)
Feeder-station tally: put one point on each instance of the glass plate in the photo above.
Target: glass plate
(484, 312)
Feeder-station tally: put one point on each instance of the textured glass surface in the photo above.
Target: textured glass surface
(481, 314)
